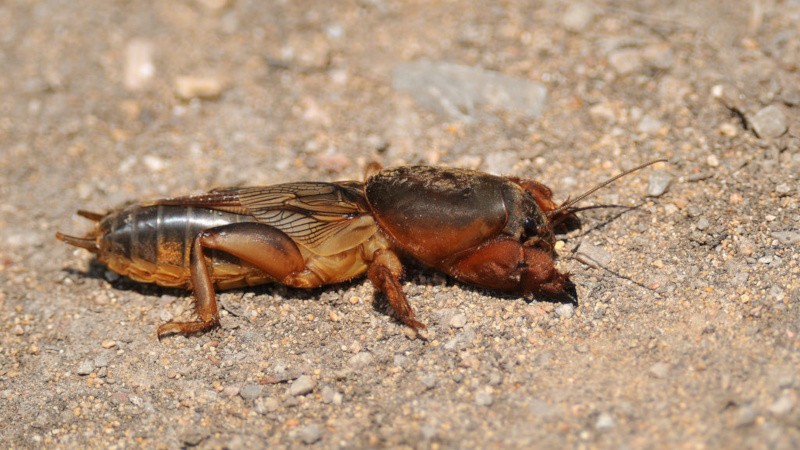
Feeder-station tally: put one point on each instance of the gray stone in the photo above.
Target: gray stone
(604, 422)
(565, 311)
(787, 237)
(484, 398)
(769, 122)
(650, 125)
(658, 183)
(625, 61)
(459, 320)
(250, 391)
(361, 360)
(458, 91)
(782, 406)
(577, 17)
(303, 385)
(592, 255)
(310, 434)
(659, 370)
(85, 367)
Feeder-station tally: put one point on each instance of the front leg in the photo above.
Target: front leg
(267, 248)
(507, 265)
(385, 271)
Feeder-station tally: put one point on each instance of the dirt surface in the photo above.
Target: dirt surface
(689, 338)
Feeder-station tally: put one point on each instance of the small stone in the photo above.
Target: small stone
(649, 125)
(18, 330)
(592, 256)
(484, 398)
(190, 87)
(625, 61)
(728, 130)
(139, 65)
(782, 406)
(791, 96)
(787, 237)
(361, 360)
(458, 320)
(85, 367)
(101, 361)
(302, 386)
(602, 114)
(783, 189)
(108, 343)
(231, 390)
(745, 416)
(769, 122)
(659, 370)
(250, 391)
(702, 224)
(565, 311)
(604, 422)
(429, 380)
(266, 405)
(327, 394)
(459, 91)
(712, 161)
(577, 17)
(310, 434)
(658, 183)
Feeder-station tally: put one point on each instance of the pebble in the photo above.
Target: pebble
(769, 122)
(782, 406)
(139, 66)
(361, 360)
(592, 255)
(250, 391)
(745, 416)
(604, 422)
(101, 361)
(712, 161)
(310, 434)
(302, 385)
(457, 91)
(787, 237)
(85, 367)
(429, 381)
(18, 330)
(625, 61)
(484, 398)
(650, 125)
(108, 343)
(327, 394)
(565, 311)
(602, 114)
(458, 320)
(501, 163)
(791, 96)
(267, 405)
(783, 189)
(577, 17)
(658, 183)
(659, 370)
(190, 87)
(702, 224)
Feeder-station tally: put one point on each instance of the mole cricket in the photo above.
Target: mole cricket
(483, 230)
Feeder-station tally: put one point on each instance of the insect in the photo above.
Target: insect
(484, 230)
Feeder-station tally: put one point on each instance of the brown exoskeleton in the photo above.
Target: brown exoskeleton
(484, 230)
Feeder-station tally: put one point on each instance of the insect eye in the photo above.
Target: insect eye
(531, 227)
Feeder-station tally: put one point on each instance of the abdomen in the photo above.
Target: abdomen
(153, 244)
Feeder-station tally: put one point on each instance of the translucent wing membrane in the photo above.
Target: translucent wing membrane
(326, 218)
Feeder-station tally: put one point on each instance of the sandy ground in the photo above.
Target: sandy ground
(689, 338)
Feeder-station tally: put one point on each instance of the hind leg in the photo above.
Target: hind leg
(265, 247)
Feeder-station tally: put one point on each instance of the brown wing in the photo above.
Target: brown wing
(325, 218)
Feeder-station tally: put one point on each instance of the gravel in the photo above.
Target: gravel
(689, 339)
